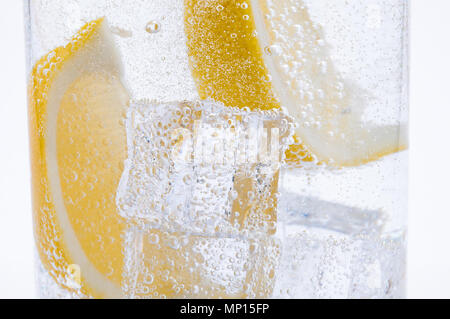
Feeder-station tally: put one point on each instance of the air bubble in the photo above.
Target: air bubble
(153, 238)
(148, 279)
(152, 27)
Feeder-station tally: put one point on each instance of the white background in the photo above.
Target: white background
(429, 221)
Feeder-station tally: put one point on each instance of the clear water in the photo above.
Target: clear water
(309, 232)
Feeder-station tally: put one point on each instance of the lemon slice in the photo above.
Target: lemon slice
(78, 144)
(262, 54)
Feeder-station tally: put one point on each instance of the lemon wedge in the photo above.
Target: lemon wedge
(263, 54)
(77, 104)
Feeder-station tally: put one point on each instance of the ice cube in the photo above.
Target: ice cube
(332, 250)
(200, 187)
(202, 168)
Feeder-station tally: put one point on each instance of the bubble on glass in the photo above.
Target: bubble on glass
(153, 27)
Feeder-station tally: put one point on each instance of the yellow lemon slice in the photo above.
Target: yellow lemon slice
(262, 54)
(78, 144)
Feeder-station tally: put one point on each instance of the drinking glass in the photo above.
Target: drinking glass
(219, 148)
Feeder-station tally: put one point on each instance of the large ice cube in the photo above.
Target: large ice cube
(200, 186)
(202, 168)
